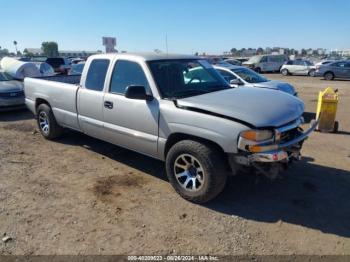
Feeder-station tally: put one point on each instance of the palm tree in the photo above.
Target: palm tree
(15, 44)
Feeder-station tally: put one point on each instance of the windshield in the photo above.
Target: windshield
(185, 78)
(5, 77)
(77, 68)
(254, 59)
(249, 75)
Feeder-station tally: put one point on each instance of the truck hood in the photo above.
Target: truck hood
(278, 85)
(10, 86)
(258, 107)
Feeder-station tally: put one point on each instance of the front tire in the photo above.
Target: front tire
(47, 123)
(196, 171)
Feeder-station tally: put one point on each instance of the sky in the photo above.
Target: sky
(211, 26)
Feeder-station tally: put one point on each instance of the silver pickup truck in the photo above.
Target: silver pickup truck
(192, 119)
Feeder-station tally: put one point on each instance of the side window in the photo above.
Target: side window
(290, 63)
(227, 76)
(263, 59)
(97, 74)
(127, 73)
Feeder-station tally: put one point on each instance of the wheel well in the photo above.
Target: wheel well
(328, 72)
(40, 101)
(177, 137)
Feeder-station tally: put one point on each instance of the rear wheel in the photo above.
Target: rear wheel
(47, 123)
(196, 170)
(312, 72)
(285, 72)
(329, 76)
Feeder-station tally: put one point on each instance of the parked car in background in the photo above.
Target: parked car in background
(324, 62)
(217, 61)
(76, 60)
(59, 64)
(266, 63)
(242, 76)
(298, 67)
(233, 61)
(11, 92)
(45, 69)
(196, 123)
(77, 69)
(242, 60)
(338, 69)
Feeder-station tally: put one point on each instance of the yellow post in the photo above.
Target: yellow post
(327, 110)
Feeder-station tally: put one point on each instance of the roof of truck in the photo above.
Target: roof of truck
(147, 56)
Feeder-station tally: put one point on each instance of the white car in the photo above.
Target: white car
(298, 67)
(45, 69)
(266, 63)
(242, 76)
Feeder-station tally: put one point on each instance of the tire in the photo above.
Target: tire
(328, 76)
(285, 72)
(312, 72)
(191, 160)
(47, 124)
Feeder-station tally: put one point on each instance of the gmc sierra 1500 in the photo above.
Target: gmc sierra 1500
(191, 119)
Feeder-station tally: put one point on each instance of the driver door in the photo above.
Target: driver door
(130, 123)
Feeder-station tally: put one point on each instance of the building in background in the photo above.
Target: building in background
(63, 53)
(77, 53)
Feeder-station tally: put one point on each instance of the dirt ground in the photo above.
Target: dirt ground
(78, 195)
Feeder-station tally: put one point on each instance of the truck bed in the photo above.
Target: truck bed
(60, 92)
(68, 79)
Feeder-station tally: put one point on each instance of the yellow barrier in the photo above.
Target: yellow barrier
(327, 110)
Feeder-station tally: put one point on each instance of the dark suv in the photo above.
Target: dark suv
(59, 64)
(338, 69)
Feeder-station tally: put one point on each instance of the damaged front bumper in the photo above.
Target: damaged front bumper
(279, 149)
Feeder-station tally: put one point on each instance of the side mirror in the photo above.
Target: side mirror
(237, 82)
(137, 92)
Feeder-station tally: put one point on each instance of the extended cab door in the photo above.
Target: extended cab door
(90, 98)
(130, 123)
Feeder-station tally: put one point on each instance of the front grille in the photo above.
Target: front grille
(289, 135)
(12, 94)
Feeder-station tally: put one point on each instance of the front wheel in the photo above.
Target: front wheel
(196, 171)
(47, 122)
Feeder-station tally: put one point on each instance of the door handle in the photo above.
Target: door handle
(108, 104)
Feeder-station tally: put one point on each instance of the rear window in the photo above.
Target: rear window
(97, 74)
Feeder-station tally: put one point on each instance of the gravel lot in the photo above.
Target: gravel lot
(79, 195)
